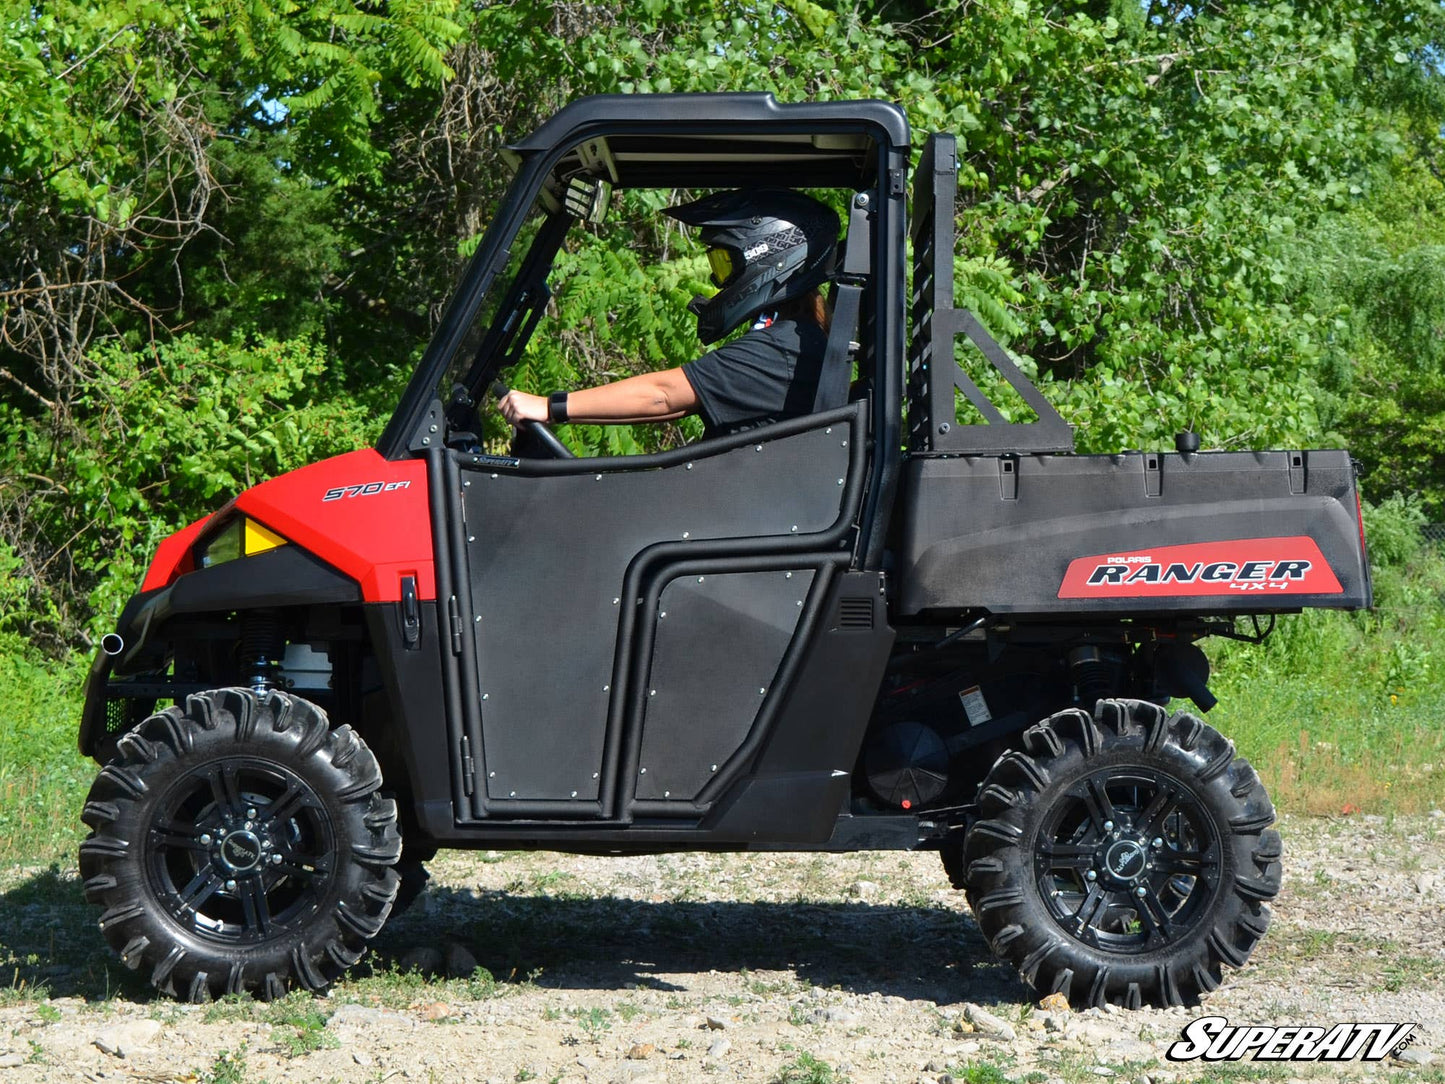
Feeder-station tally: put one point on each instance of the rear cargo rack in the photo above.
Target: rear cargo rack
(933, 424)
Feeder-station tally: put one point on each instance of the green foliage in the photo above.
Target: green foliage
(228, 1068)
(299, 1025)
(42, 782)
(807, 1068)
(1336, 710)
(1220, 217)
(1392, 531)
(169, 435)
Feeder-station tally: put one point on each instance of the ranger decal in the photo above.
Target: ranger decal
(1275, 566)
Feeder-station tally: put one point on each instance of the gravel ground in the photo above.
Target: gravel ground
(682, 968)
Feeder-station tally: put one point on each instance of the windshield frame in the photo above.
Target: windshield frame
(477, 282)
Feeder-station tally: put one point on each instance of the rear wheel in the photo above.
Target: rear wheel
(1123, 857)
(239, 844)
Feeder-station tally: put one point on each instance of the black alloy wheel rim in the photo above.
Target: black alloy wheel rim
(1128, 860)
(240, 851)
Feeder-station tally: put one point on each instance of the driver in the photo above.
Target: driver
(769, 250)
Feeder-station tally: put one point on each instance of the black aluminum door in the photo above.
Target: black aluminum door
(629, 617)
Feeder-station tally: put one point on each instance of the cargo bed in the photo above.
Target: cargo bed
(1211, 532)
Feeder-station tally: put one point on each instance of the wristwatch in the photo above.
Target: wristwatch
(557, 407)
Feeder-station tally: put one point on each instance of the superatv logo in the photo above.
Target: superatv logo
(1281, 566)
(1214, 1038)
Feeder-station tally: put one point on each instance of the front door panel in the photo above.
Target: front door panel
(547, 558)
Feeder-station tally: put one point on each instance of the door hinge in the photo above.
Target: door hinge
(456, 621)
(468, 780)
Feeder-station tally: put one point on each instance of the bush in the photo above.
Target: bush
(1394, 530)
(160, 438)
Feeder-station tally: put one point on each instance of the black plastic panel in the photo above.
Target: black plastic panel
(547, 559)
(999, 532)
(718, 644)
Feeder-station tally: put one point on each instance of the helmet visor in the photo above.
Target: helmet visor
(723, 265)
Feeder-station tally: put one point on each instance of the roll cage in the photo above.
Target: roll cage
(670, 141)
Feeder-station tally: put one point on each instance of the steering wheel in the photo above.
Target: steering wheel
(539, 432)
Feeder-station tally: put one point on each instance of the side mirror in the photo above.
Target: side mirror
(587, 198)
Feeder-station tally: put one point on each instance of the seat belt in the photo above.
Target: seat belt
(847, 296)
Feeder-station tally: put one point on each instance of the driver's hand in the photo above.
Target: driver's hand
(519, 406)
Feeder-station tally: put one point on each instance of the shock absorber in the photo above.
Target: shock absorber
(262, 646)
(1096, 673)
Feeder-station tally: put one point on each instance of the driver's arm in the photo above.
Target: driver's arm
(649, 397)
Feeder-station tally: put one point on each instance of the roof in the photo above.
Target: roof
(719, 140)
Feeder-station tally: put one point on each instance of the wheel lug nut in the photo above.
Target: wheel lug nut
(1141, 891)
(230, 886)
(205, 839)
(1091, 876)
(1158, 842)
(1108, 826)
(275, 860)
(251, 813)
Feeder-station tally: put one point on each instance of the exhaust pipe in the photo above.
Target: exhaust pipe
(112, 643)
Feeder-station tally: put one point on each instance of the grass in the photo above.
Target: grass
(228, 1068)
(1338, 712)
(807, 1069)
(43, 779)
(298, 1025)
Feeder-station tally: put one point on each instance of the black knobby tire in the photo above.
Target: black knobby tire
(1123, 857)
(239, 845)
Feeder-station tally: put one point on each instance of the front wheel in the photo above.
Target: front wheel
(1123, 857)
(239, 845)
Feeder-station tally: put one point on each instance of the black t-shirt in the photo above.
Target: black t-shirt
(769, 374)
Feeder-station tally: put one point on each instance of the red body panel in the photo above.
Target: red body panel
(1275, 566)
(364, 516)
(173, 556)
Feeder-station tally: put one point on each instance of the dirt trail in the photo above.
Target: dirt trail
(731, 967)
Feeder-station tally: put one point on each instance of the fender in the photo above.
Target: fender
(365, 516)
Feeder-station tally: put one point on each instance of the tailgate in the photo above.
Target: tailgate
(1148, 532)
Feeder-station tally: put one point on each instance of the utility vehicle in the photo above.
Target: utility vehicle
(912, 621)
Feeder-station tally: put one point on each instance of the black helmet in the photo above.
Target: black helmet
(766, 246)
